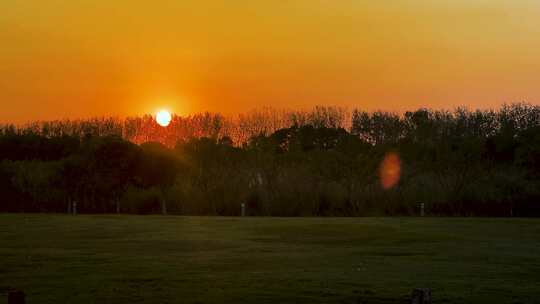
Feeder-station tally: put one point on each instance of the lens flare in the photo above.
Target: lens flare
(390, 170)
(163, 118)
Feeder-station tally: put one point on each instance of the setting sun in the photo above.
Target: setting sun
(163, 118)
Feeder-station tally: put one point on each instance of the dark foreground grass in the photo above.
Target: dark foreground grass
(156, 259)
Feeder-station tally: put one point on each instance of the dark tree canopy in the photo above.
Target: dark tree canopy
(483, 163)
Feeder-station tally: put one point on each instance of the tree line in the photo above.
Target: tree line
(143, 129)
(324, 162)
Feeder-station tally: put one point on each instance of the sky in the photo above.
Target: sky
(82, 58)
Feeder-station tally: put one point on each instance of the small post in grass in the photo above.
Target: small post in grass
(243, 209)
(421, 206)
(15, 297)
(421, 296)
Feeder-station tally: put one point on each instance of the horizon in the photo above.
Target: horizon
(264, 109)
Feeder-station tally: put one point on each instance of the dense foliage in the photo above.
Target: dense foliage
(483, 163)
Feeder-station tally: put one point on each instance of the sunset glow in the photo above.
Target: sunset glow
(93, 58)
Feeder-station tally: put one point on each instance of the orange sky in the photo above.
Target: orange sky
(80, 58)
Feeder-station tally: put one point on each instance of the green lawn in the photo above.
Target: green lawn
(169, 259)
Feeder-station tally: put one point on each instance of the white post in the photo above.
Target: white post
(422, 209)
(164, 207)
(243, 207)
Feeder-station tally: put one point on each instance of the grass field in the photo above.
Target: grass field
(159, 259)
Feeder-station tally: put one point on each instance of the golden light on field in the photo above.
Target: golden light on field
(390, 170)
(163, 118)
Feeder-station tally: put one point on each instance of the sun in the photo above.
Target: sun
(163, 118)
